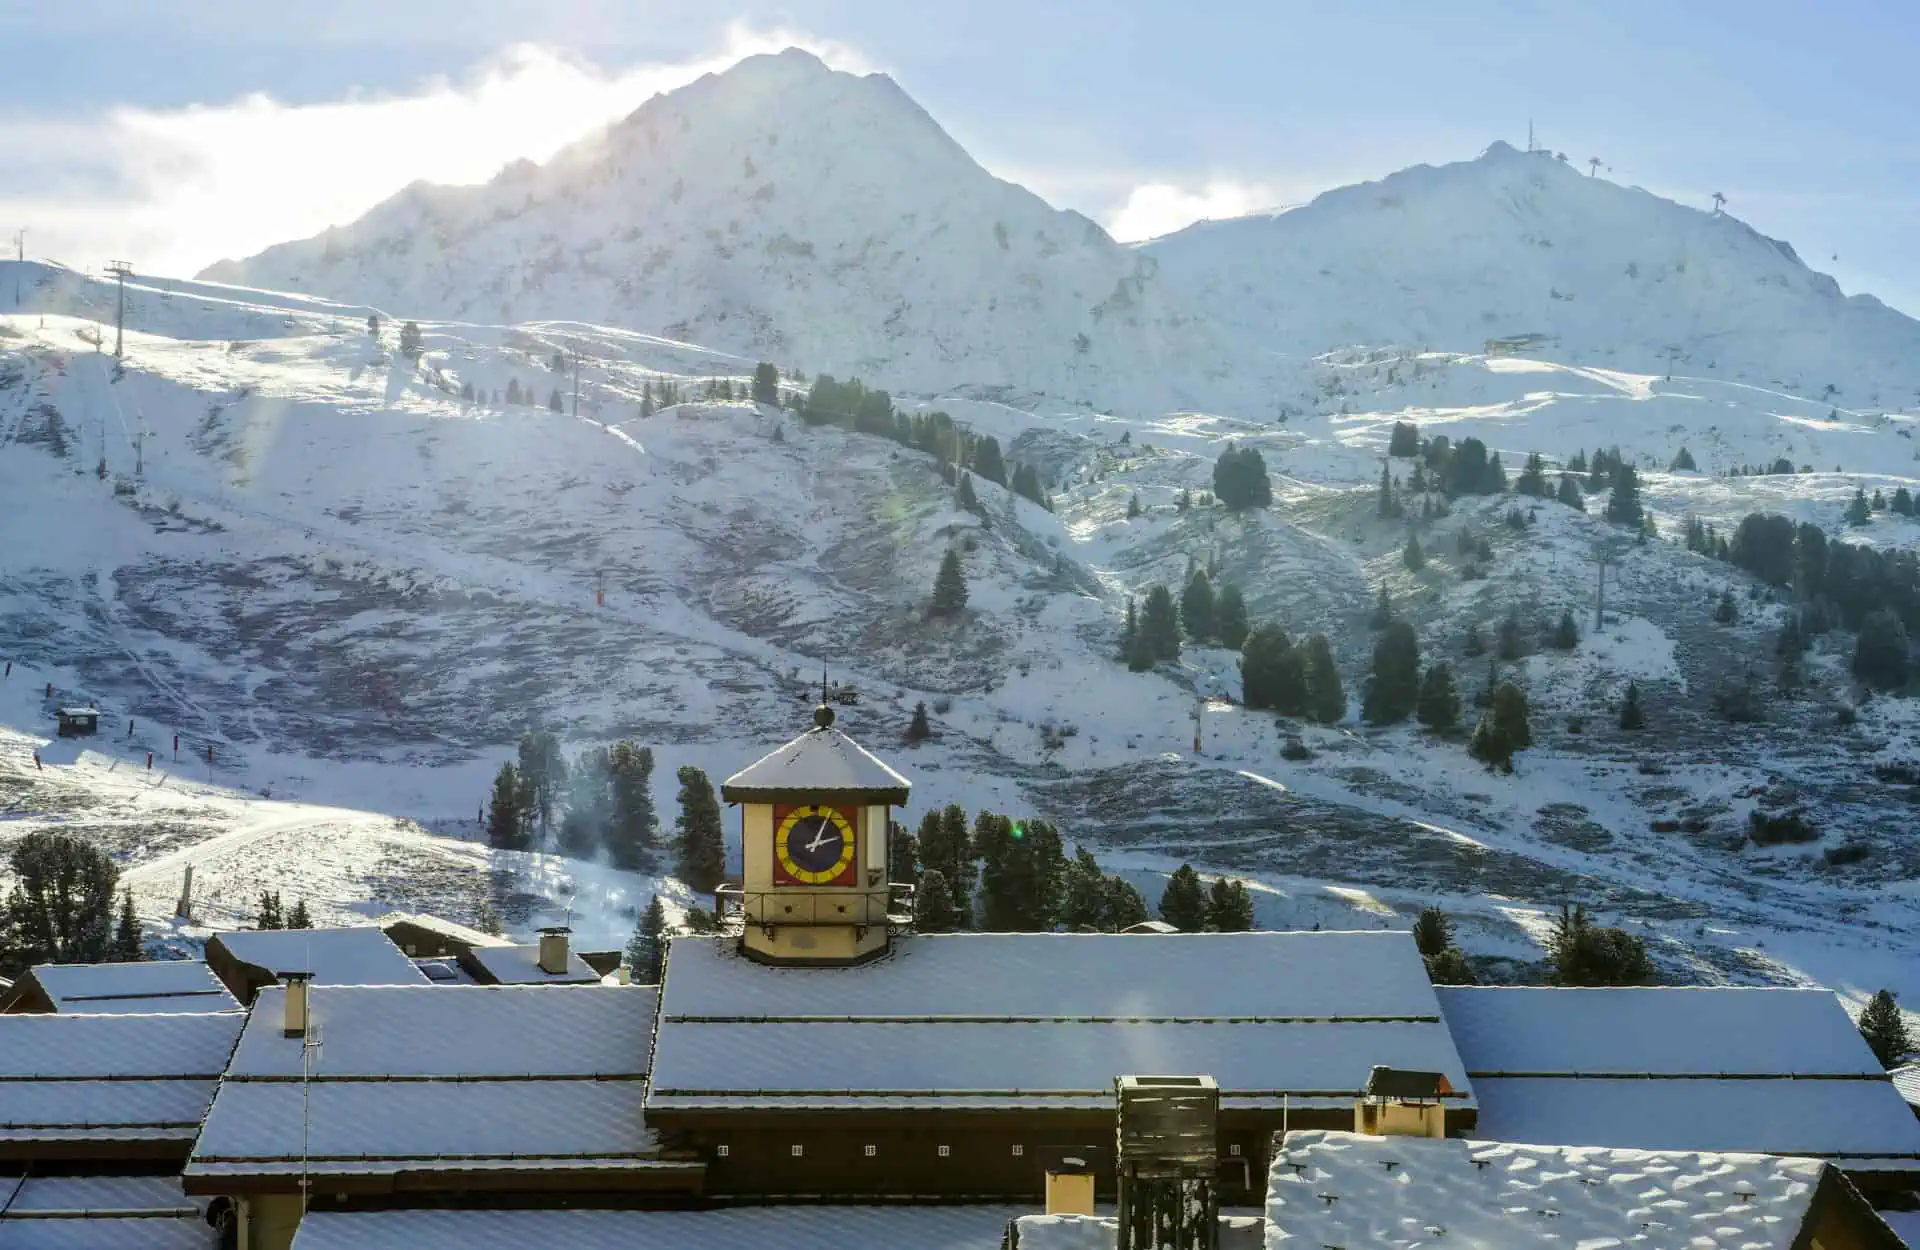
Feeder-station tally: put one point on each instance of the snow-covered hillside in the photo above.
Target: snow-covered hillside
(361, 589)
(785, 211)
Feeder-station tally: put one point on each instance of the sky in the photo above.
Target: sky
(171, 135)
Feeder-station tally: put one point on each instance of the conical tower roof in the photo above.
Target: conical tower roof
(822, 764)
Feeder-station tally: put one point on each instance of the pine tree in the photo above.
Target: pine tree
(1382, 614)
(1880, 651)
(589, 804)
(1857, 512)
(1511, 647)
(1083, 894)
(1023, 865)
(1879, 501)
(1383, 498)
(933, 906)
(1240, 480)
(946, 848)
(1326, 702)
(1439, 706)
(1405, 440)
(1432, 931)
(1683, 463)
(1411, 555)
(1725, 612)
(410, 345)
(1133, 506)
(1566, 635)
(987, 461)
(1196, 608)
(1183, 904)
(554, 402)
(270, 915)
(1533, 478)
(766, 384)
(1582, 953)
(1393, 683)
(1160, 625)
(543, 777)
(61, 907)
(1903, 501)
(1130, 631)
(632, 826)
(1885, 1030)
(506, 830)
(1623, 504)
(700, 855)
(127, 947)
(1503, 729)
(949, 588)
(299, 917)
(1631, 717)
(1230, 617)
(1229, 906)
(373, 325)
(647, 949)
(1569, 493)
(1263, 658)
(964, 495)
(918, 729)
(903, 853)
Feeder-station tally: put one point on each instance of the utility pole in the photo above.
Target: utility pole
(120, 269)
(576, 382)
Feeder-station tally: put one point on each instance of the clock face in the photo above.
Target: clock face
(814, 845)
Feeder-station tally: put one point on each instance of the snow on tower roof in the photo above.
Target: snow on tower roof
(1342, 1189)
(821, 763)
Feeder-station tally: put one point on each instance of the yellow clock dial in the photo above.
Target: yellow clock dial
(814, 844)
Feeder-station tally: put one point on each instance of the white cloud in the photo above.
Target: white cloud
(1156, 208)
(171, 192)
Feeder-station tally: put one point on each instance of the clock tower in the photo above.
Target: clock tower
(814, 821)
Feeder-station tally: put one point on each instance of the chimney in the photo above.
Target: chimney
(183, 910)
(1401, 1103)
(553, 950)
(295, 1024)
(623, 975)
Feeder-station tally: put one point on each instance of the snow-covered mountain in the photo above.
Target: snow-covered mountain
(782, 210)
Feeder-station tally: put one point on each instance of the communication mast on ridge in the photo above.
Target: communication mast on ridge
(119, 269)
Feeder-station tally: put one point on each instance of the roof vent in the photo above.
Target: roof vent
(553, 950)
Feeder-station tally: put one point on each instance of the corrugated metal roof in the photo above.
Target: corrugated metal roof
(456, 1030)
(822, 1062)
(520, 965)
(1660, 1031)
(1397, 1193)
(105, 1110)
(1907, 1081)
(823, 761)
(69, 1046)
(445, 1120)
(100, 1195)
(738, 1228)
(332, 956)
(1046, 976)
(138, 1233)
(1775, 1116)
(128, 988)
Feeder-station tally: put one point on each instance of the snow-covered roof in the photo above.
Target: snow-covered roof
(456, 1031)
(520, 965)
(109, 1080)
(735, 1228)
(1341, 1189)
(133, 988)
(445, 928)
(1838, 1118)
(108, 1233)
(1373, 975)
(820, 763)
(1663, 1031)
(1907, 1081)
(41, 1197)
(987, 1064)
(332, 956)
(462, 1078)
(1102, 1232)
(996, 1020)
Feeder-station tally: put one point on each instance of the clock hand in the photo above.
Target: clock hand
(819, 840)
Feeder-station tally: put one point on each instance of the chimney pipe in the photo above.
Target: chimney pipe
(295, 1023)
(553, 950)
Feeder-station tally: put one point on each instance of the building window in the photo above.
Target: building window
(1234, 1150)
(1018, 1151)
(797, 1151)
(722, 1151)
(872, 1151)
(945, 1151)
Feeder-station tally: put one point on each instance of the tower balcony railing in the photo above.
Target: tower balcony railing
(735, 906)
